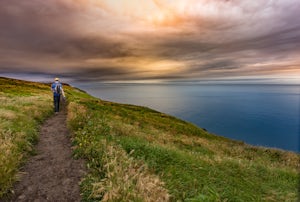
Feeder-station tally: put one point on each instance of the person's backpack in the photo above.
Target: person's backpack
(58, 89)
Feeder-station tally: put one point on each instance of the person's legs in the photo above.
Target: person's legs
(58, 99)
(56, 103)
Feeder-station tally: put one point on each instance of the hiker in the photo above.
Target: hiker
(57, 90)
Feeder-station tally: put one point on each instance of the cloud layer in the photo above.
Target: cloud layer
(153, 39)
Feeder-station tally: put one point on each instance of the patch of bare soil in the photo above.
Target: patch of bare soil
(51, 175)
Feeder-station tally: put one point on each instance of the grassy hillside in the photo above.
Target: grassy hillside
(190, 163)
(137, 154)
(23, 106)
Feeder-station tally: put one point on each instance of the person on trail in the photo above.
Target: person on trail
(57, 90)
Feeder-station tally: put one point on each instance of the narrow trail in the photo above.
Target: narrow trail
(52, 174)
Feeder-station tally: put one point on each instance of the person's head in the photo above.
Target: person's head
(56, 79)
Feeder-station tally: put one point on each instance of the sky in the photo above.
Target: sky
(151, 40)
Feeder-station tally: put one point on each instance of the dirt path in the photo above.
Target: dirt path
(51, 175)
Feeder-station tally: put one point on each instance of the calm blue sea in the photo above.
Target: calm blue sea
(266, 115)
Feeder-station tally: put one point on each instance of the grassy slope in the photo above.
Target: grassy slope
(23, 106)
(195, 165)
(135, 153)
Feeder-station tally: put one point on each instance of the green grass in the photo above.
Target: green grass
(137, 154)
(193, 164)
(23, 107)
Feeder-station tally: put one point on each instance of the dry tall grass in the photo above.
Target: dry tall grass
(126, 179)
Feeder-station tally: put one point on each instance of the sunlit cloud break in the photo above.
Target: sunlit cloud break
(112, 40)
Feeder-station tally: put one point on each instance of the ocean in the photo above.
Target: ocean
(258, 114)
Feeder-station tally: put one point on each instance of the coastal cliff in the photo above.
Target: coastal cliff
(139, 154)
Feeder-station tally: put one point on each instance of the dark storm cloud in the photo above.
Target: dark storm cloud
(97, 74)
(84, 48)
(48, 28)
